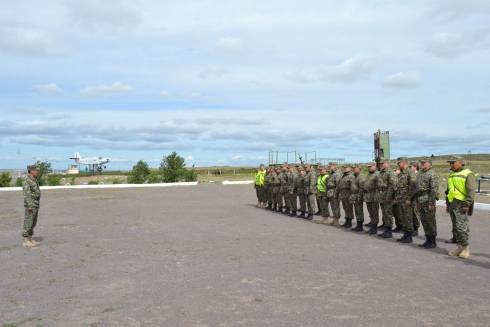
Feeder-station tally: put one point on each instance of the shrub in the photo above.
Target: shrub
(117, 181)
(139, 174)
(154, 177)
(172, 169)
(5, 179)
(19, 181)
(93, 183)
(53, 180)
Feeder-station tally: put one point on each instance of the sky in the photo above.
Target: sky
(224, 82)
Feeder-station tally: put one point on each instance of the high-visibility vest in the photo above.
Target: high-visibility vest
(321, 183)
(456, 185)
(259, 178)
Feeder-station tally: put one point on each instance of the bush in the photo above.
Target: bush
(154, 177)
(5, 179)
(44, 168)
(172, 169)
(53, 180)
(117, 181)
(19, 182)
(72, 180)
(190, 175)
(93, 183)
(139, 174)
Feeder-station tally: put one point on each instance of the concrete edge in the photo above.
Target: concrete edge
(237, 182)
(101, 186)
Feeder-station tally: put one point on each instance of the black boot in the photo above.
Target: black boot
(397, 229)
(401, 239)
(386, 234)
(433, 243)
(346, 223)
(309, 217)
(292, 214)
(279, 209)
(451, 241)
(407, 238)
(369, 224)
(358, 227)
(373, 230)
(302, 215)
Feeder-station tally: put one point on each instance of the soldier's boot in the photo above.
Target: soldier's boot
(456, 252)
(407, 238)
(386, 234)
(451, 241)
(465, 252)
(279, 209)
(349, 223)
(369, 224)
(26, 242)
(310, 216)
(346, 223)
(430, 242)
(358, 227)
(335, 222)
(397, 229)
(302, 215)
(292, 214)
(33, 241)
(373, 230)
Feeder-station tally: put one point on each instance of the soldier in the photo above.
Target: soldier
(259, 186)
(332, 199)
(283, 177)
(460, 196)
(397, 211)
(414, 165)
(427, 186)
(268, 189)
(310, 181)
(32, 198)
(302, 192)
(292, 192)
(405, 191)
(343, 193)
(321, 186)
(356, 198)
(371, 197)
(386, 191)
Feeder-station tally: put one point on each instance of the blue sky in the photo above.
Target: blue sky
(223, 82)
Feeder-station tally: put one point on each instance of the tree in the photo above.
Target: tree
(44, 168)
(19, 182)
(5, 179)
(172, 168)
(53, 180)
(139, 174)
(154, 177)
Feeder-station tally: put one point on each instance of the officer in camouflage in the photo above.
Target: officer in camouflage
(460, 196)
(332, 182)
(405, 191)
(356, 197)
(310, 181)
(268, 189)
(386, 190)
(414, 167)
(427, 186)
(292, 192)
(397, 211)
(343, 193)
(302, 191)
(32, 198)
(371, 197)
(283, 190)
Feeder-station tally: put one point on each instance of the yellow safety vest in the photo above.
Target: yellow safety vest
(259, 178)
(456, 185)
(321, 183)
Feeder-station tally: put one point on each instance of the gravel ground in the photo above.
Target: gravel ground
(205, 256)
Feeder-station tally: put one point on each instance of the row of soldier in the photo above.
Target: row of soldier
(406, 197)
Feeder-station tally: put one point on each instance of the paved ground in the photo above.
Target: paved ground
(204, 256)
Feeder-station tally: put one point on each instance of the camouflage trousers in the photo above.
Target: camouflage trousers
(428, 219)
(461, 225)
(359, 211)
(323, 204)
(373, 210)
(302, 202)
(279, 199)
(292, 201)
(415, 217)
(334, 205)
(260, 191)
(348, 208)
(406, 217)
(387, 211)
(397, 214)
(311, 203)
(30, 221)
(285, 199)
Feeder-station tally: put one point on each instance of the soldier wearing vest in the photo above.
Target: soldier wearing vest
(302, 192)
(460, 198)
(427, 186)
(259, 186)
(343, 193)
(333, 200)
(32, 198)
(405, 191)
(386, 193)
(310, 181)
(356, 198)
(321, 186)
(371, 197)
(292, 192)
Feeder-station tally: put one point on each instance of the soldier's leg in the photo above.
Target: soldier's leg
(336, 207)
(302, 204)
(461, 226)
(416, 217)
(313, 204)
(359, 211)
(323, 206)
(294, 202)
(427, 218)
(387, 209)
(397, 214)
(28, 229)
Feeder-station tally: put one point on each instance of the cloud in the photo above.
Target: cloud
(451, 45)
(403, 80)
(165, 94)
(237, 157)
(229, 44)
(50, 88)
(212, 72)
(116, 88)
(452, 9)
(23, 41)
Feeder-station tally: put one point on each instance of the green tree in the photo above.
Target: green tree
(19, 181)
(44, 168)
(172, 168)
(53, 180)
(5, 179)
(154, 177)
(139, 174)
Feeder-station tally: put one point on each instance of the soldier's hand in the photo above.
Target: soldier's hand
(465, 209)
(29, 209)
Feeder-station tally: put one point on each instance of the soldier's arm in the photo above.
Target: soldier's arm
(29, 195)
(470, 190)
(433, 188)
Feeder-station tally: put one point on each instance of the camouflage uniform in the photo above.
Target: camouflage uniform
(311, 180)
(302, 193)
(268, 189)
(292, 192)
(283, 190)
(405, 191)
(276, 185)
(371, 197)
(459, 219)
(356, 196)
(332, 182)
(343, 193)
(427, 186)
(386, 190)
(32, 197)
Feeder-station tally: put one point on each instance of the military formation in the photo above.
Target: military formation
(406, 198)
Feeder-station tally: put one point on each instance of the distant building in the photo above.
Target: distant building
(73, 170)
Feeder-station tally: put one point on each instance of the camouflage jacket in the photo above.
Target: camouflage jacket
(300, 185)
(292, 177)
(267, 181)
(311, 180)
(332, 182)
(275, 183)
(32, 193)
(343, 188)
(371, 186)
(386, 187)
(406, 183)
(427, 187)
(283, 178)
(357, 189)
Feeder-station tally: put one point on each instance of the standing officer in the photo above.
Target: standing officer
(283, 190)
(32, 198)
(386, 191)
(332, 182)
(343, 193)
(397, 211)
(460, 199)
(414, 166)
(371, 197)
(259, 186)
(302, 192)
(356, 197)
(426, 197)
(405, 190)
(310, 180)
(292, 193)
(321, 186)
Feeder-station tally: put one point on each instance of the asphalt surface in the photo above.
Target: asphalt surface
(205, 256)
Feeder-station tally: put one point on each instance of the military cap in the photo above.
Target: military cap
(372, 163)
(414, 163)
(402, 159)
(455, 158)
(426, 159)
